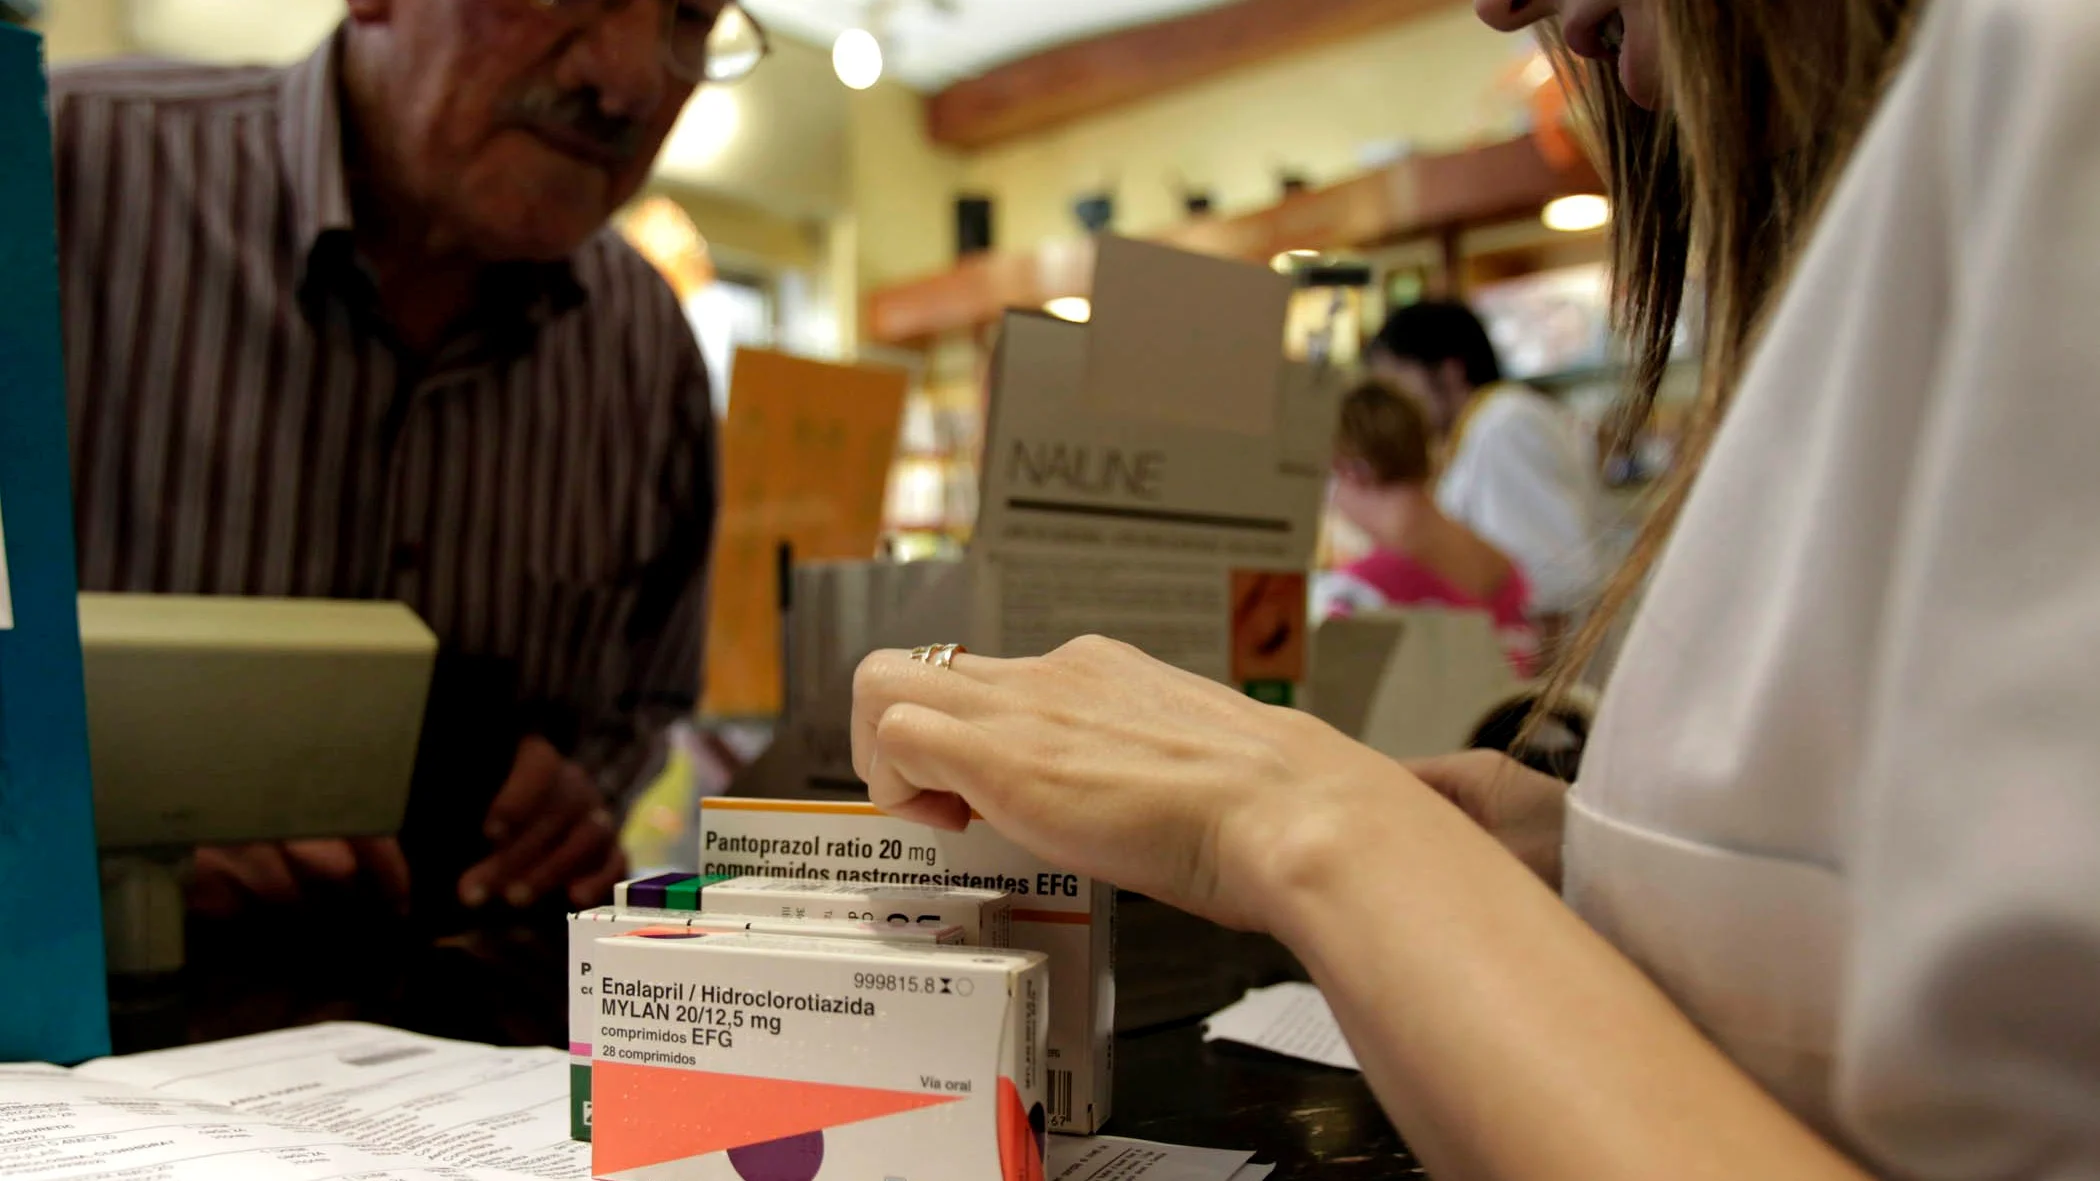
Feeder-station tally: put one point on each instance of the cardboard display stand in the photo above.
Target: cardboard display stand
(1156, 476)
(1410, 684)
(806, 453)
(52, 1002)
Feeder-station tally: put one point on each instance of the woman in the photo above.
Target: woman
(1383, 485)
(1832, 871)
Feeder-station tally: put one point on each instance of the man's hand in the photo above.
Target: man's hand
(552, 831)
(228, 879)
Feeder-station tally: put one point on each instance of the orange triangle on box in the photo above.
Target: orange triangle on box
(651, 1115)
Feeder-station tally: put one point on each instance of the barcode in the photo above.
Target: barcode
(1060, 1098)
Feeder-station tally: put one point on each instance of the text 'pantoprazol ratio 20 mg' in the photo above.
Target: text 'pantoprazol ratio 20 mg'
(1068, 917)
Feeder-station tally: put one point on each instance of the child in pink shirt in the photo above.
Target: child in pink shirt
(1384, 485)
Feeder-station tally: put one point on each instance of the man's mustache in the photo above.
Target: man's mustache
(579, 113)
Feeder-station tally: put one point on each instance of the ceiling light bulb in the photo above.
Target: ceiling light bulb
(1076, 308)
(857, 58)
(1577, 214)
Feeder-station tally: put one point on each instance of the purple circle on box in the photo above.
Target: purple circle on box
(797, 1158)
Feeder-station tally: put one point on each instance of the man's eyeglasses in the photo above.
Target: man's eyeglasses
(704, 40)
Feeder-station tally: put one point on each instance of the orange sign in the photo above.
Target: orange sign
(806, 459)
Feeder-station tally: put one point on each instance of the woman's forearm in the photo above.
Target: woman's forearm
(1510, 1041)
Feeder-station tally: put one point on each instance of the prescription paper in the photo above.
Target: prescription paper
(1289, 1019)
(56, 1125)
(494, 1113)
(1110, 1158)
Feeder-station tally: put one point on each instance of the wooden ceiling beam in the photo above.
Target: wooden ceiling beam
(1099, 74)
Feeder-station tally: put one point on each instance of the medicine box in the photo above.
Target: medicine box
(586, 928)
(743, 1057)
(1068, 917)
(671, 891)
(985, 916)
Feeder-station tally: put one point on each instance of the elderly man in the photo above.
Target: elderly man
(356, 329)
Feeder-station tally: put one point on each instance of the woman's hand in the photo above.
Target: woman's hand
(1523, 809)
(1103, 760)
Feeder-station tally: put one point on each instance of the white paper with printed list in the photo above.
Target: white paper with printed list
(55, 1125)
(1110, 1158)
(1289, 1019)
(328, 1102)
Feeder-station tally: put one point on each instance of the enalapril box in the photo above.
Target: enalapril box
(1068, 917)
(588, 927)
(753, 1057)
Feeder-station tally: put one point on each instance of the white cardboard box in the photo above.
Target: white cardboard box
(1156, 475)
(985, 916)
(1065, 916)
(590, 926)
(724, 1054)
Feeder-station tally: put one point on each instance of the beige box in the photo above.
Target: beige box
(1068, 917)
(985, 916)
(590, 926)
(722, 1057)
(1156, 475)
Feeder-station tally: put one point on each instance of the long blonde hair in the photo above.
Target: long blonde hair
(1767, 99)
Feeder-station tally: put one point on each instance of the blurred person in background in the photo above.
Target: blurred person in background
(1384, 484)
(1825, 904)
(1517, 471)
(356, 329)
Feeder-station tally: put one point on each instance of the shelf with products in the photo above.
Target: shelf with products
(933, 486)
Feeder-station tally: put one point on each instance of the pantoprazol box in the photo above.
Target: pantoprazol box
(985, 916)
(732, 1057)
(587, 928)
(1068, 917)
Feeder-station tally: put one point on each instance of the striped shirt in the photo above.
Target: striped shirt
(541, 489)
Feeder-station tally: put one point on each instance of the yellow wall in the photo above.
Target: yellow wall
(83, 30)
(1428, 81)
(903, 187)
(744, 234)
(786, 137)
(205, 30)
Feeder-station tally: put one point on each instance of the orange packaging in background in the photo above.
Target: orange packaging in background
(806, 454)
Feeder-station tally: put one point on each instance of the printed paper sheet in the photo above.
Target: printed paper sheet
(55, 1125)
(1289, 1019)
(1109, 1158)
(447, 1103)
